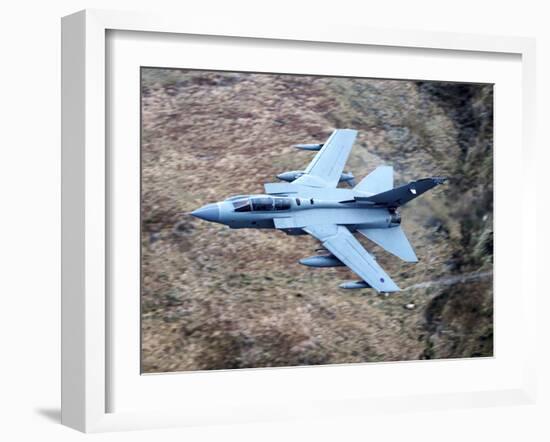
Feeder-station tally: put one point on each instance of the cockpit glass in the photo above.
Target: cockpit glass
(261, 204)
(242, 205)
(282, 203)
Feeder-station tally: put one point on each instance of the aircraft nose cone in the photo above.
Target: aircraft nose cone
(210, 212)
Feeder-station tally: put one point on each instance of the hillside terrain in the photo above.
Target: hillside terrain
(215, 298)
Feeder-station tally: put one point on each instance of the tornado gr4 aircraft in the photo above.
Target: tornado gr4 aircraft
(311, 203)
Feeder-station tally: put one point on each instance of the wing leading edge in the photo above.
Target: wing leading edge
(341, 243)
(328, 164)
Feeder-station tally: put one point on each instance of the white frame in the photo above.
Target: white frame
(84, 312)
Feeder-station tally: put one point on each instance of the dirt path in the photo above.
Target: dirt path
(450, 280)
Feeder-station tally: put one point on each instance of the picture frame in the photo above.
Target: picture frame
(87, 313)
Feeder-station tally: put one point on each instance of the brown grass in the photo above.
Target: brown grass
(217, 298)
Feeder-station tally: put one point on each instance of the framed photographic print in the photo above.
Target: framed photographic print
(262, 223)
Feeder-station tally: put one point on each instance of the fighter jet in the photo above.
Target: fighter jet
(309, 202)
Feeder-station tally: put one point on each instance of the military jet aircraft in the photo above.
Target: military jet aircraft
(311, 203)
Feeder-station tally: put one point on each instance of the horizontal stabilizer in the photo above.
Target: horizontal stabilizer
(402, 194)
(378, 181)
(393, 240)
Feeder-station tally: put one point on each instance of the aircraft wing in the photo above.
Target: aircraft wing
(341, 243)
(326, 167)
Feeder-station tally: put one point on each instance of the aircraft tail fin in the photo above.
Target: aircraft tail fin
(402, 194)
(393, 240)
(378, 181)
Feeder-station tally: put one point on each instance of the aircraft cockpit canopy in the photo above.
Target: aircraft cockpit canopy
(261, 204)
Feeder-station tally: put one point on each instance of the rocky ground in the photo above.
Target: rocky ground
(215, 298)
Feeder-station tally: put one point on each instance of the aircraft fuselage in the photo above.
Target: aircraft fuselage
(293, 213)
